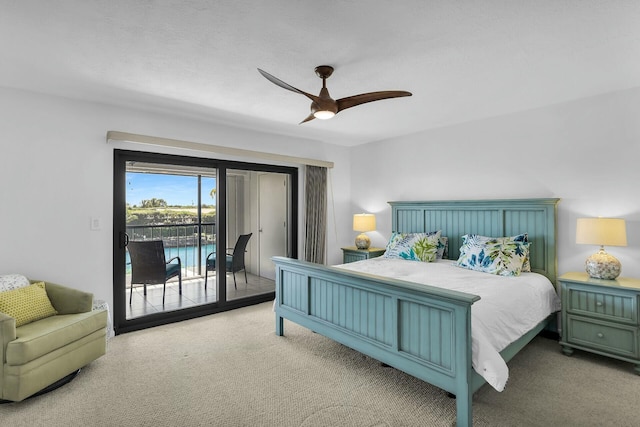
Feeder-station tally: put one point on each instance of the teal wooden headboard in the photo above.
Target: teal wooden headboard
(494, 218)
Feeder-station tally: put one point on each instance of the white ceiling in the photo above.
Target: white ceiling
(462, 60)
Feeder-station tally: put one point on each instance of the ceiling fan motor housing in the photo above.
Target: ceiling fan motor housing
(324, 102)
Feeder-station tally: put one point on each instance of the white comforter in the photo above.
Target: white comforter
(509, 306)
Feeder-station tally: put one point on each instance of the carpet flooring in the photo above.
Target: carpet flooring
(230, 369)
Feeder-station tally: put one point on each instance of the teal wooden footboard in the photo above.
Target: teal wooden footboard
(422, 330)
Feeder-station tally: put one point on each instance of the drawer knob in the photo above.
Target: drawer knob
(600, 335)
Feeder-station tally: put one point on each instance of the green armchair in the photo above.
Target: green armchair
(38, 354)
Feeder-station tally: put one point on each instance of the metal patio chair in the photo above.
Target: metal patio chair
(149, 267)
(234, 260)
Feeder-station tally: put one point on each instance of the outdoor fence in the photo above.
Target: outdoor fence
(191, 242)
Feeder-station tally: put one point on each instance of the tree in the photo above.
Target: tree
(153, 203)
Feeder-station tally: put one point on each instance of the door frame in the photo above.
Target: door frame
(120, 158)
(262, 214)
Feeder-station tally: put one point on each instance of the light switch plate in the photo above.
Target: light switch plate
(96, 223)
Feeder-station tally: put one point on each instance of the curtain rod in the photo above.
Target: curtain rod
(114, 135)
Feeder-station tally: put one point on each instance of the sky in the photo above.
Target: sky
(174, 189)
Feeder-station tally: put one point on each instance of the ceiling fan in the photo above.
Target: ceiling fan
(323, 106)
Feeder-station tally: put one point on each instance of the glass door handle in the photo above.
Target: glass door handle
(124, 239)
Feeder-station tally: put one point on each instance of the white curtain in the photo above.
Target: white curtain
(315, 214)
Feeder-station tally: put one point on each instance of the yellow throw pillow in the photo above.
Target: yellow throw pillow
(27, 304)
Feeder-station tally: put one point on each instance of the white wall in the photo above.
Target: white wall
(585, 152)
(56, 172)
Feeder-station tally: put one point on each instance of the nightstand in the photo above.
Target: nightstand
(601, 316)
(352, 254)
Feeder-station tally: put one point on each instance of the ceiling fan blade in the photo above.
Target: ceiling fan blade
(352, 101)
(276, 81)
(308, 118)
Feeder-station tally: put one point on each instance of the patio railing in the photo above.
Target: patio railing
(191, 242)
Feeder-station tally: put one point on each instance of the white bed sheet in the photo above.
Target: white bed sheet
(509, 306)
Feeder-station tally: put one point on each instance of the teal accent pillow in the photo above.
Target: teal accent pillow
(413, 246)
(504, 258)
(476, 239)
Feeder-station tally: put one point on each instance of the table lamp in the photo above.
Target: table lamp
(603, 232)
(363, 223)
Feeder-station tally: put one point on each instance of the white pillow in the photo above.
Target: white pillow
(9, 282)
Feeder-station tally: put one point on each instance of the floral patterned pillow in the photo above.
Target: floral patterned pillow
(443, 248)
(9, 282)
(476, 239)
(413, 246)
(504, 258)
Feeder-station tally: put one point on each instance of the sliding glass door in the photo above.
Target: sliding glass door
(175, 205)
(196, 236)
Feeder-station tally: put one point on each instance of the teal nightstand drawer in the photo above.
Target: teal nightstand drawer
(353, 257)
(353, 254)
(608, 338)
(609, 305)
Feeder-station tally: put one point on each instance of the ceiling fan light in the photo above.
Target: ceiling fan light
(323, 114)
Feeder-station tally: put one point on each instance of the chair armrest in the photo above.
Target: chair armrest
(67, 300)
(175, 257)
(7, 334)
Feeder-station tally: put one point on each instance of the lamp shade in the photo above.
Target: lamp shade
(601, 231)
(364, 222)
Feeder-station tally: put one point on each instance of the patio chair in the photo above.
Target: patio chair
(149, 267)
(235, 260)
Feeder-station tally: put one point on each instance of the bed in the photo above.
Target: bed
(378, 316)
